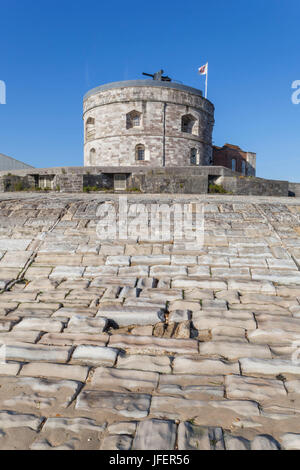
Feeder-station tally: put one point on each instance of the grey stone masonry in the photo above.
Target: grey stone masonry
(135, 344)
(189, 179)
(167, 119)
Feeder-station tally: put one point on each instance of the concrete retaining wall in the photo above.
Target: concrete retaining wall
(254, 186)
(294, 189)
(184, 180)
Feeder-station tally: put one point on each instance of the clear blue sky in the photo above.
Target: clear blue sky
(52, 52)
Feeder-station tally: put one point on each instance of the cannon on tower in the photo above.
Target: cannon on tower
(159, 76)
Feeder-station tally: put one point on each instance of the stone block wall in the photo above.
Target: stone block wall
(294, 189)
(69, 183)
(110, 142)
(12, 182)
(165, 183)
(182, 180)
(253, 186)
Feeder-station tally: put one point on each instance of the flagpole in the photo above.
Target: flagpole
(206, 81)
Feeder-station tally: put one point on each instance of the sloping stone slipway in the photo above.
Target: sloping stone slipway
(137, 344)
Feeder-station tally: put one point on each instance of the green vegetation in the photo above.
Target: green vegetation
(88, 189)
(19, 186)
(216, 189)
(134, 190)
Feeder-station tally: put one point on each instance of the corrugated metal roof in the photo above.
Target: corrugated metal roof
(9, 163)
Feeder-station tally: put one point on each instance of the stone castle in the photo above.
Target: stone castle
(147, 122)
(151, 136)
(155, 123)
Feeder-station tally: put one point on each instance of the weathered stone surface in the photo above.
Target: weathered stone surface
(264, 443)
(196, 365)
(272, 336)
(39, 324)
(36, 352)
(37, 393)
(232, 273)
(82, 324)
(117, 442)
(178, 316)
(152, 345)
(181, 408)
(293, 386)
(150, 260)
(118, 260)
(9, 368)
(205, 335)
(192, 392)
(123, 380)
(205, 284)
(14, 244)
(10, 419)
(236, 443)
(97, 355)
(172, 271)
(99, 271)
(68, 272)
(15, 259)
(191, 437)
(155, 434)
(291, 441)
(204, 321)
(40, 369)
(232, 351)
(44, 444)
(74, 339)
(69, 312)
(267, 367)
(282, 277)
(124, 316)
(123, 427)
(248, 388)
(160, 364)
(121, 404)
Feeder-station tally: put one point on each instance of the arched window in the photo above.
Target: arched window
(140, 152)
(193, 156)
(188, 124)
(92, 156)
(90, 128)
(133, 119)
(233, 164)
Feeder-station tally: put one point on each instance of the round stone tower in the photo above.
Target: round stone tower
(147, 123)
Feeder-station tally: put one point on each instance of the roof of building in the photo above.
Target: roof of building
(142, 83)
(10, 163)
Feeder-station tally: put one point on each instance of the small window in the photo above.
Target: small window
(243, 167)
(136, 121)
(193, 157)
(92, 156)
(188, 124)
(90, 128)
(133, 119)
(233, 164)
(140, 152)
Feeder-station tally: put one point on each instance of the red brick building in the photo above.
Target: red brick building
(233, 157)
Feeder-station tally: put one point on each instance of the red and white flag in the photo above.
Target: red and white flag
(203, 70)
